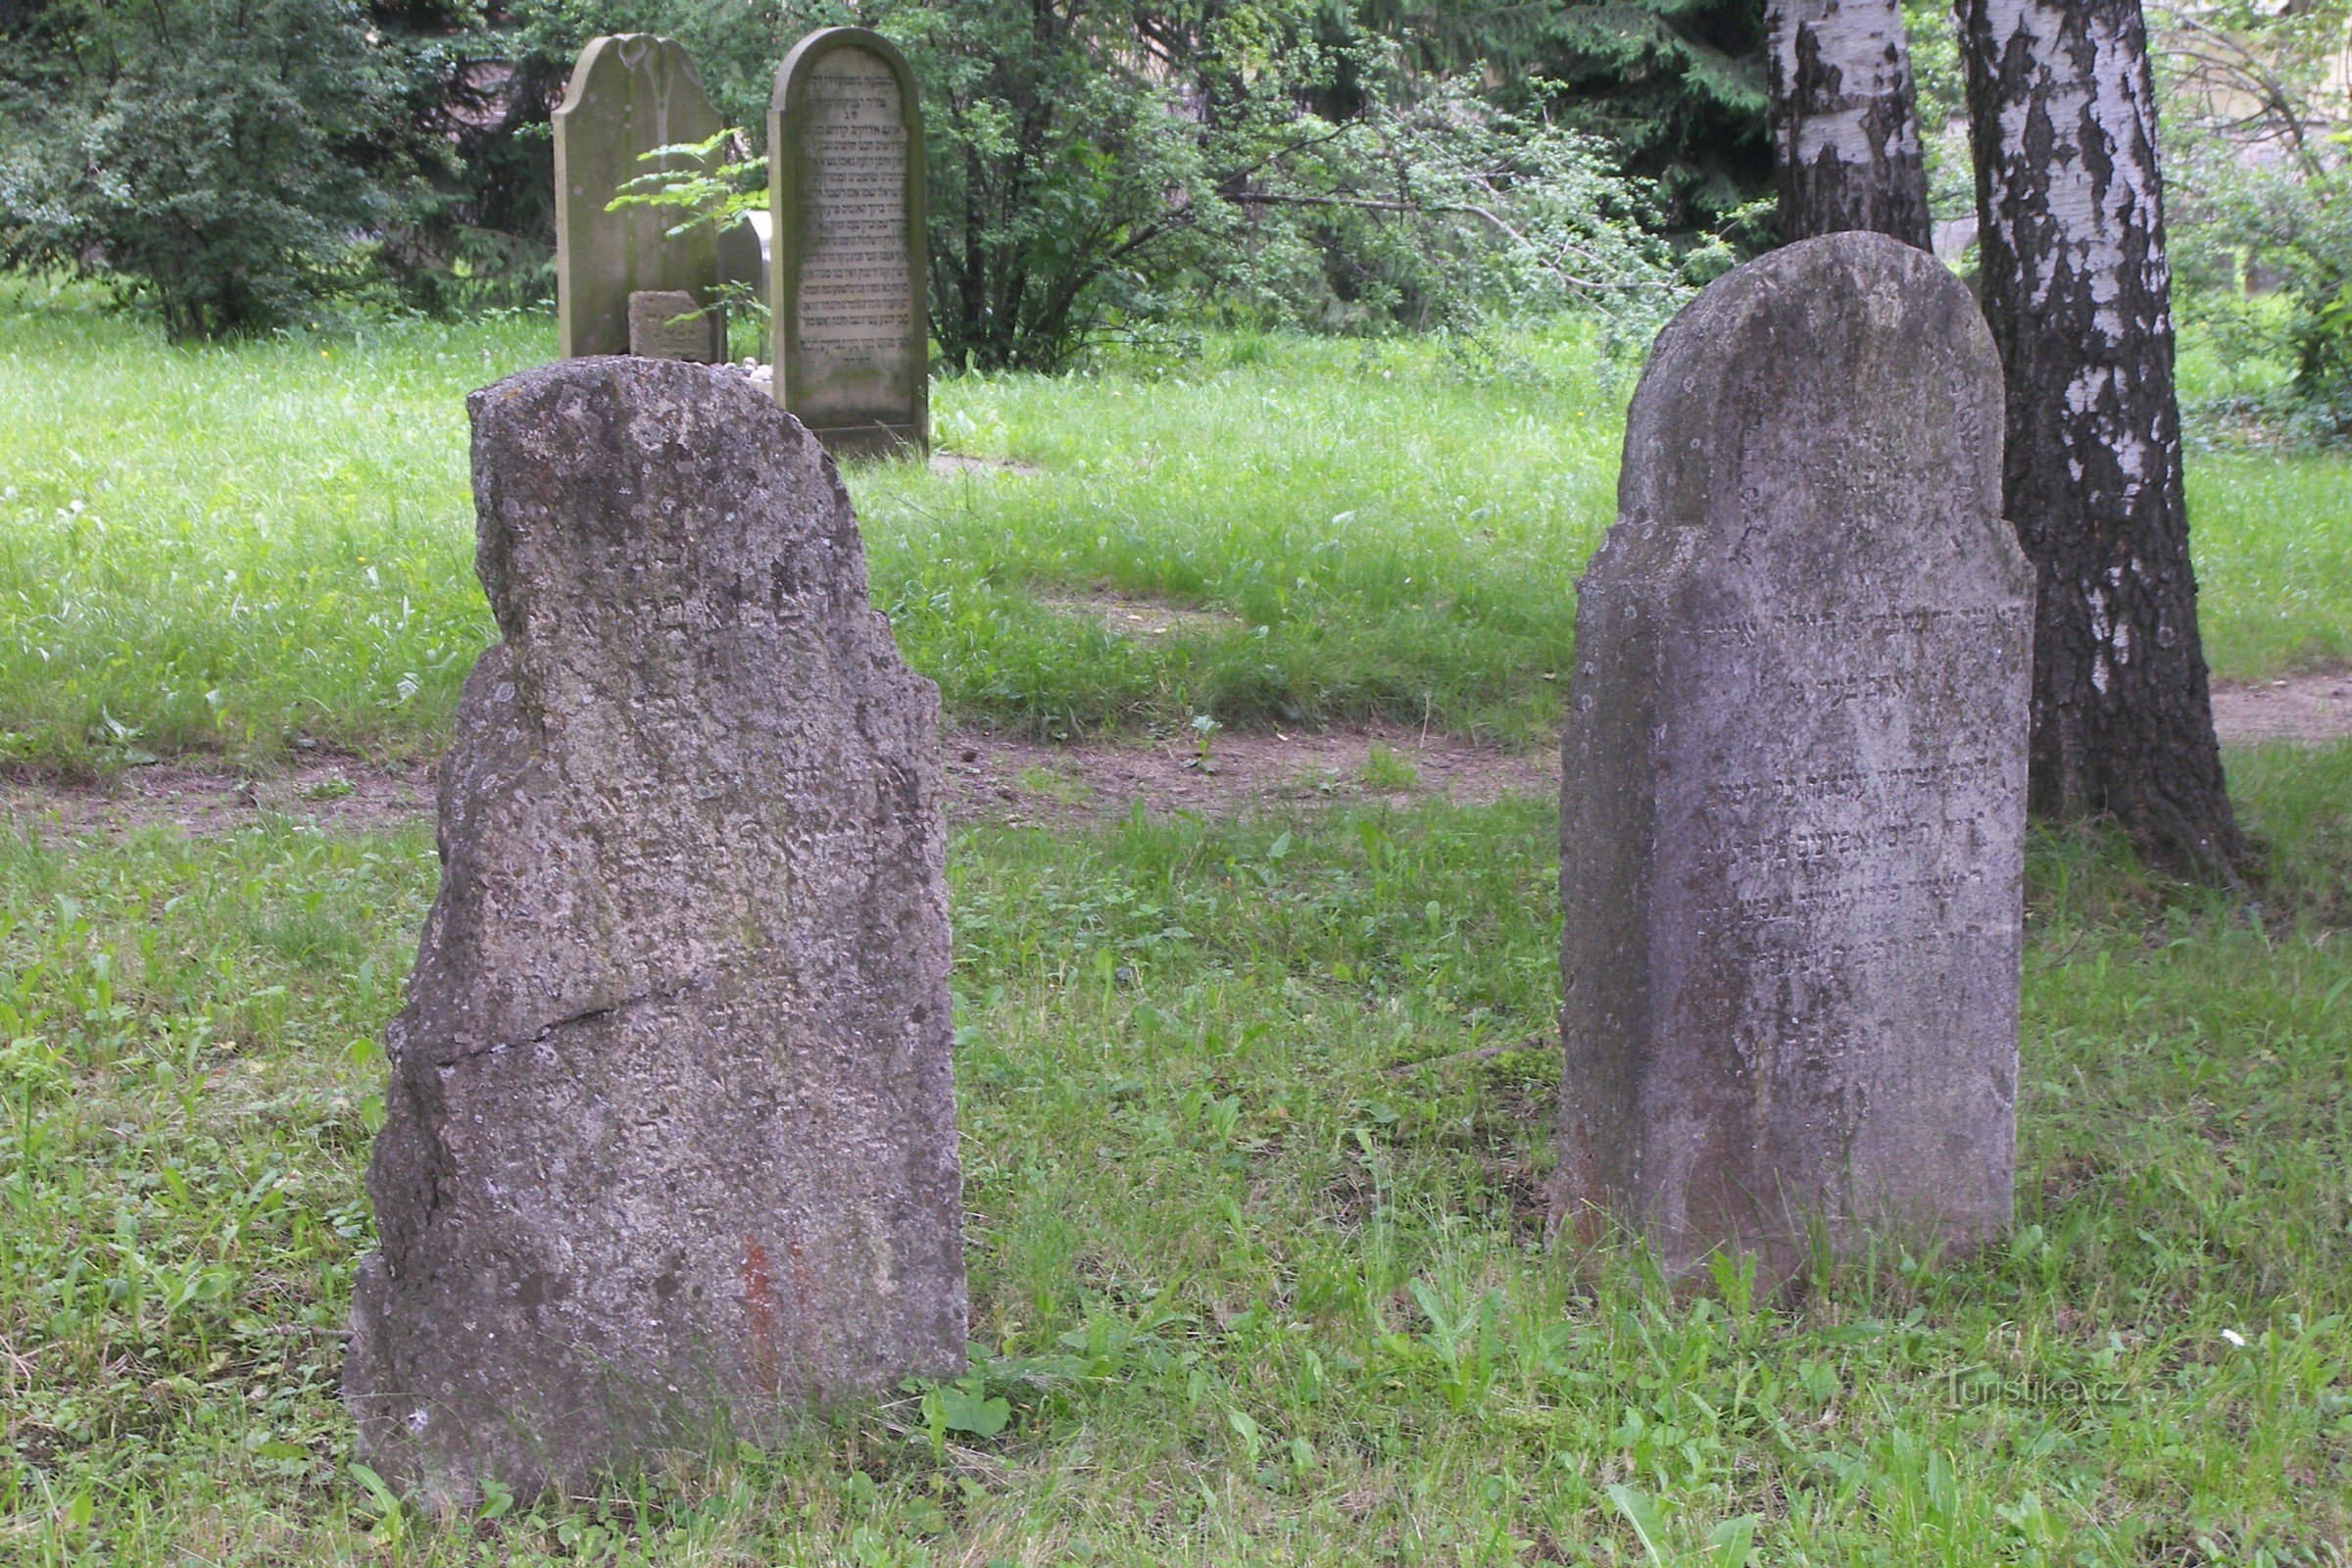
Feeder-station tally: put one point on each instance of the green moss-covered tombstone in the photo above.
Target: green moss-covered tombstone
(631, 93)
(845, 135)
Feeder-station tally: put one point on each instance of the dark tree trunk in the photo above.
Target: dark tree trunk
(2078, 294)
(1844, 120)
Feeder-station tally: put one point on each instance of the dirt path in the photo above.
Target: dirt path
(2313, 710)
(998, 778)
(989, 777)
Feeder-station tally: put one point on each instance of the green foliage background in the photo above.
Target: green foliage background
(1099, 166)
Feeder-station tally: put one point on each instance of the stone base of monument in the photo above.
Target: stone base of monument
(874, 440)
(669, 1147)
(667, 324)
(1793, 780)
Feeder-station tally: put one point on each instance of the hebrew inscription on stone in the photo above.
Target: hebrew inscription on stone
(854, 306)
(1793, 779)
(851, 333)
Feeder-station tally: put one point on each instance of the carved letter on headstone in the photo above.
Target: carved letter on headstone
(629, 95)
(669, 1149)
(1794, 796)
(846, 192)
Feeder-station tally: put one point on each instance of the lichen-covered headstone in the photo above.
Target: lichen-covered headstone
(629, 94)
(1793, 795)
(845, 263)
(669, 1149)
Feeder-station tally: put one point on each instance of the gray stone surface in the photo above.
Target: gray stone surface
(663, 325)
(1794, 771)
(845, 207)
(671, 1145)
(629, 94)
(742, 253)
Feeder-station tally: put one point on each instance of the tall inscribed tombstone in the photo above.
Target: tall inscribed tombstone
(1792, 805)
(670, 1148)
(629, 94)
(845, 136)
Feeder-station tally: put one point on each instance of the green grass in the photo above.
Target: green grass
(1252, 1252)
(2274, 545)
(232, 549)
(1253, 1112)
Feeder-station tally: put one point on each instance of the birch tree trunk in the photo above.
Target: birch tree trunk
(2062, 116)
(1846, 120)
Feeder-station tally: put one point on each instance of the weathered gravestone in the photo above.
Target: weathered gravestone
(845, 136)
(670, 1143)
(1794, 793)
(629, 94)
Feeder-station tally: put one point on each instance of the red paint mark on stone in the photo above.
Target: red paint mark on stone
(760, 1306)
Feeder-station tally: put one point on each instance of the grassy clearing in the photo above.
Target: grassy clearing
(1253, 1113)
(232, 549)
(1253, 1260)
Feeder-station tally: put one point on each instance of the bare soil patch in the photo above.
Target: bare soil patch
(989, 777)
(953, 463)
(1022, 781)
(202, 798)
(1009, 779)
(1143, 620)
(2312, 709)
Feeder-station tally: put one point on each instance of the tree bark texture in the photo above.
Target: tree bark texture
(1846, 120)
(2074, 283)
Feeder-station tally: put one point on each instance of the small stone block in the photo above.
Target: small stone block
(665, 324)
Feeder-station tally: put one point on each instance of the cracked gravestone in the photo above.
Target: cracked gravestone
(629, 94)
(670, 1148)
(1793, 784)
(846, 209)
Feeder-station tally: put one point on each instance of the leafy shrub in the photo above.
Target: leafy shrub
(1446, 211)
(2258, 142)
(1080, 155)
(1674, 88)
(224, 159)
(2264, 255)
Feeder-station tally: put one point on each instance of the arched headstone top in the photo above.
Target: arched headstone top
(1795, 389)
(847, 258)
(629, 94)
(809, 51)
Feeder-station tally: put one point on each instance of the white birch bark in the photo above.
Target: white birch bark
(2076, 286)
(1845, 123)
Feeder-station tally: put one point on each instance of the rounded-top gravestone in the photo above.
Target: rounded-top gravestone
(1793, 802)
(845, 136)
(630, 94)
